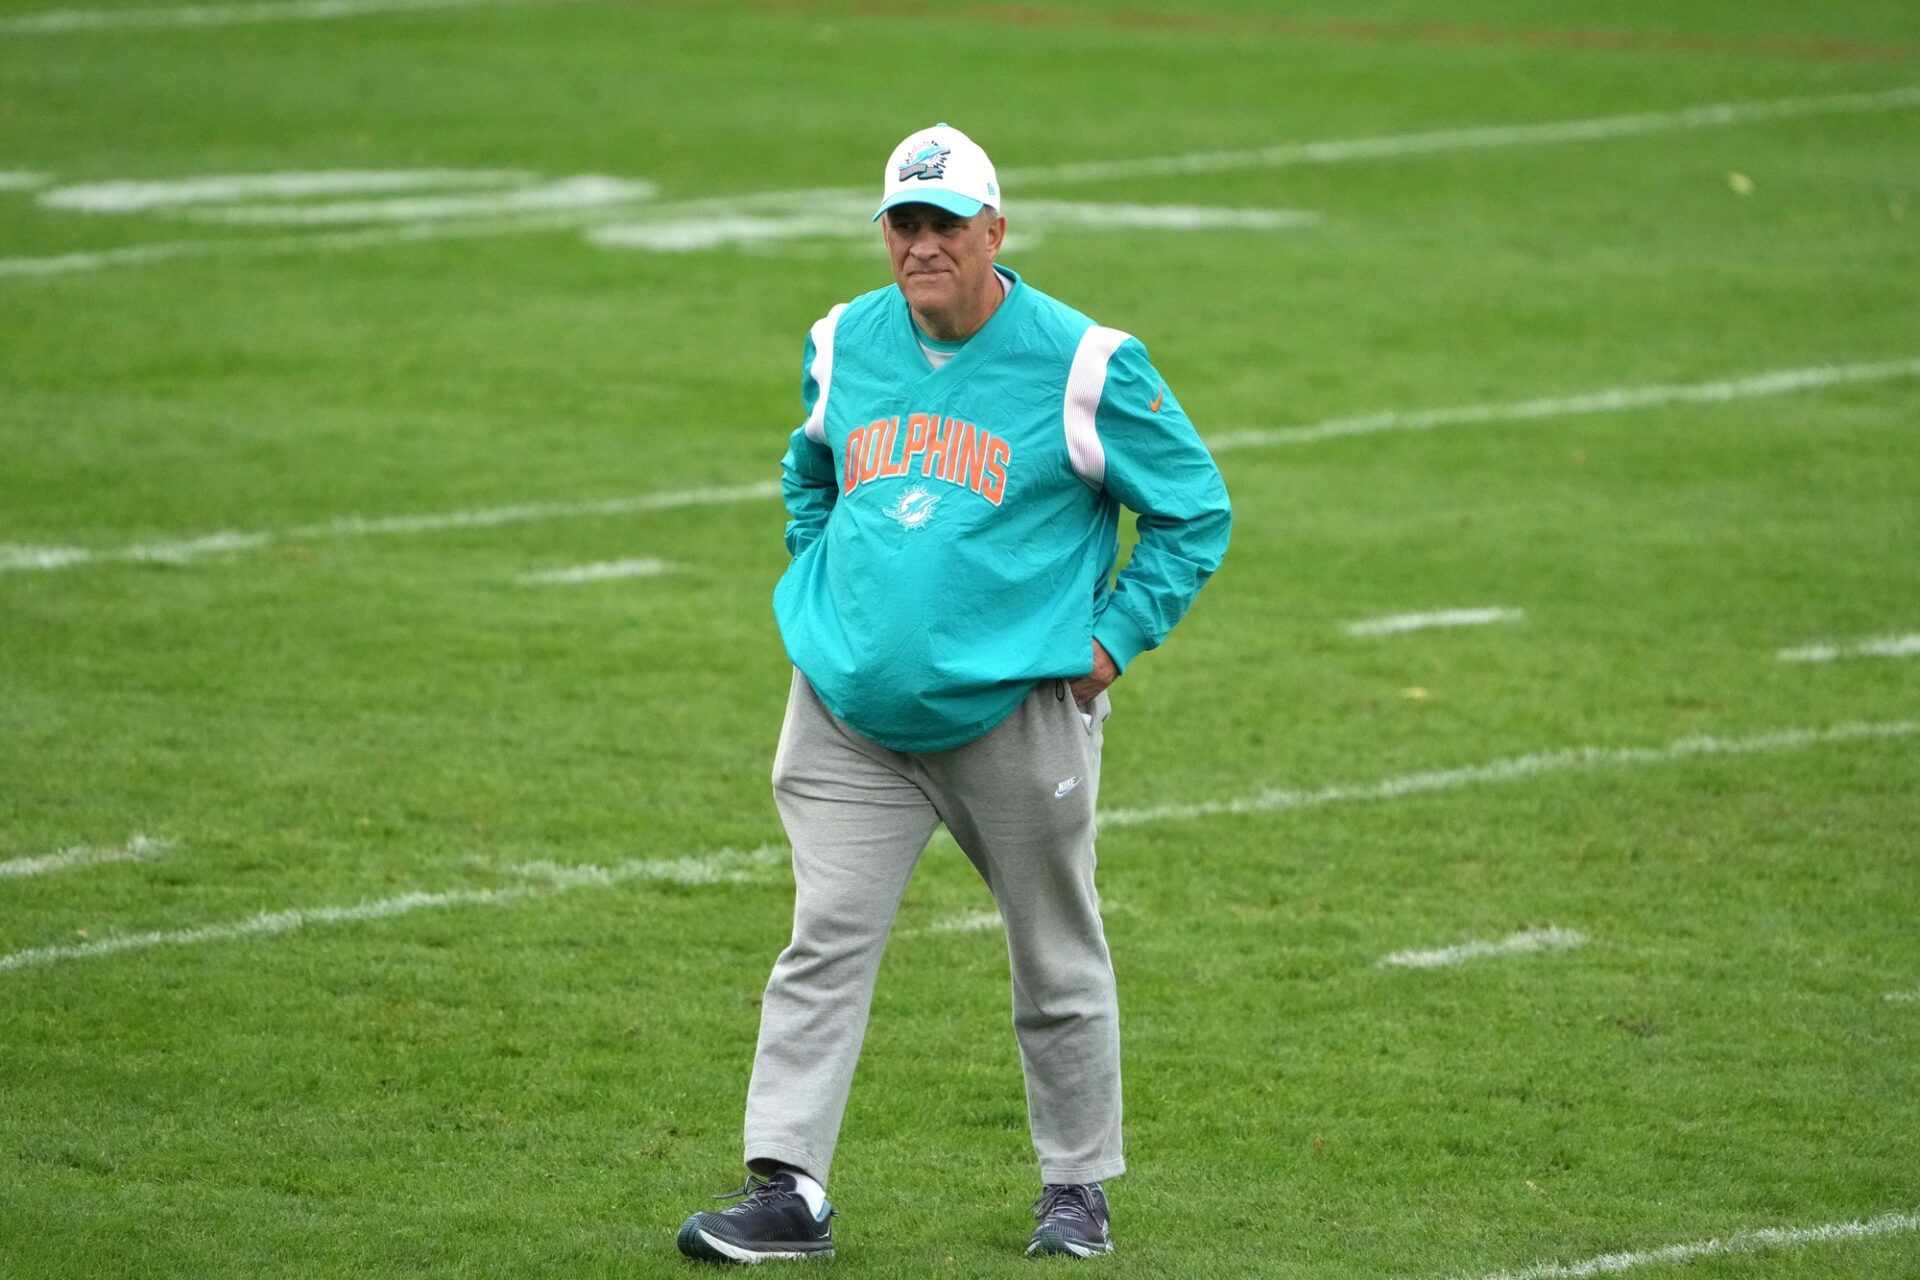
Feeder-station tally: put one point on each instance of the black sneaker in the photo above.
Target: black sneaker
(1073, 1221)
(771, 1221)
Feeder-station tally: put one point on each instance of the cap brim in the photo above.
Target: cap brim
(952, 201)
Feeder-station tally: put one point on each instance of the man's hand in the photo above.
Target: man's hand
(1104, 673)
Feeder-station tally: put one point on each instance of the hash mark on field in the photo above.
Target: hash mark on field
(1903, 997)
(1906, 646)
(1738, 1242)
(602, 572)
(25, 557)
(728, 866)
(1396, 623)
(1515, 768)
(15, 180)
(1523, 943)
(138, 849)
(1774, 383)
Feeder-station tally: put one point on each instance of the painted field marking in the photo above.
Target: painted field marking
(308, 242)
(544, 879)
(1903, 997)
(28, 557)
(180, 551)
(1739, 1242)
(1906, 646)
(780, 204)
(63, 21)
(1619, 399)
(580, 192)
(1584, 39)
(138, 849)
(16, 180)
(1515, 768)
(166, 194)
(848, 219)
(1286, 155)
(965, 922)
(602, 572)
(1136, 21)
(729, 866)
(1525, 942)
(1397, 623)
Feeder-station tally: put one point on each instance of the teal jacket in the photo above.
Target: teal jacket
(954, 530)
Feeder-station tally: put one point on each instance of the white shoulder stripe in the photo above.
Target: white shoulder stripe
(1085, 385)
(822, 333)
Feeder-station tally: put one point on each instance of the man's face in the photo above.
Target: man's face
(939, 258)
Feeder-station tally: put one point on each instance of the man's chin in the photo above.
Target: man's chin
(928, 293)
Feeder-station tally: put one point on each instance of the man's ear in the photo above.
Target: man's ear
(996, 235)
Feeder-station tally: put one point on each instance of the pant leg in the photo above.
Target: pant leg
(1020, 801)
(858, 824)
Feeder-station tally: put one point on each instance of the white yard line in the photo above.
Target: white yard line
(312, 242)
(178, 551)
(728, 865)
(1903, 997)
(543, 880)
(675, 225)
(1906, 646)
(1739, 1242)
(138, 849)
(1515, 768)
(220, 188)
(674, 229)
(63, 21)
(1285, 155)
(1396, 623)
(19, 557)
(580, 192)
(965, 922)
(15, 180)
(603, 572)
(1618, 399)
(1514, 944)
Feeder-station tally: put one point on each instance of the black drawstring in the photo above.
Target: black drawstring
(1059, 690)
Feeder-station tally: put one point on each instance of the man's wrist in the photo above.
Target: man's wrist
(1120, 636)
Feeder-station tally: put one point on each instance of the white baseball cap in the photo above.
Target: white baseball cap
(940, 166)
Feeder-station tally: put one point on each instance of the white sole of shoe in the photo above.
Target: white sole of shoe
(750, 1257)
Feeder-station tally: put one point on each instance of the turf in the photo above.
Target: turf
(548, 1085)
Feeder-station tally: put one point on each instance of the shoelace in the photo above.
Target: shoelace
(757, 1190)
(753, 1192)
(1071, 1200)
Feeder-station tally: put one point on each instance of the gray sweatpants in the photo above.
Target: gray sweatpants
(1020, 802)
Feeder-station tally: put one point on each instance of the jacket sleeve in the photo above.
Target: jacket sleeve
(808, 482)
(1157, 466)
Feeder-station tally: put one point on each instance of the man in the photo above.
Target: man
(953, 623)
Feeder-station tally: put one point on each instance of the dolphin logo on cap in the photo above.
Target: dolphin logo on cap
(929, 161)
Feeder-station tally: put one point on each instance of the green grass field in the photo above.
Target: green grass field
(478, 1069)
